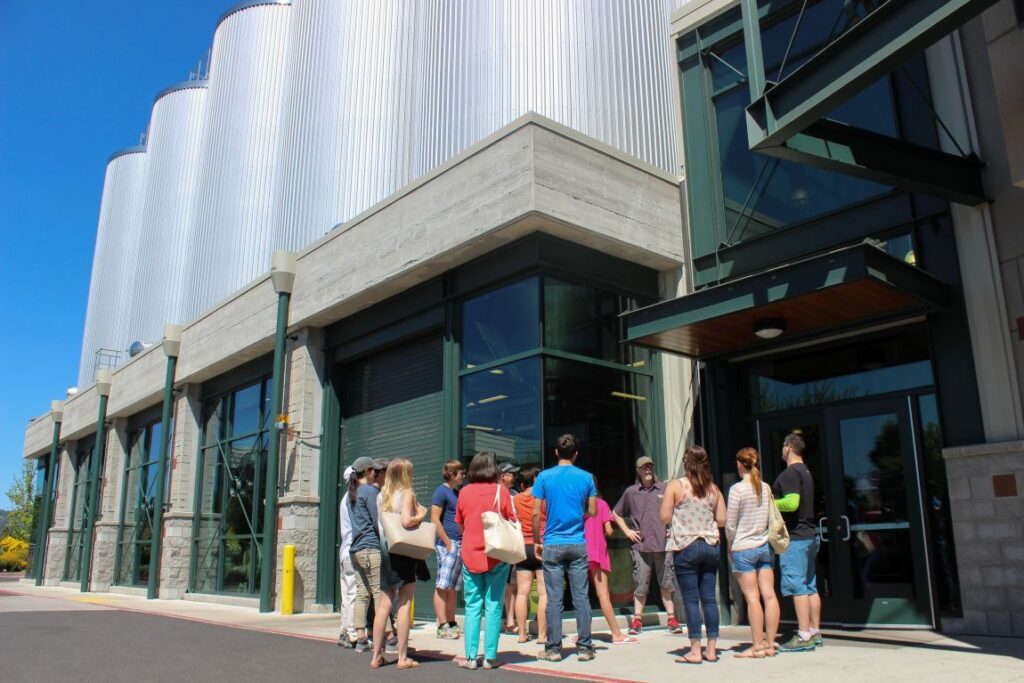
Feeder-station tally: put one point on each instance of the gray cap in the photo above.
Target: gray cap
(380, 463)
(507, 467)
(362, 464)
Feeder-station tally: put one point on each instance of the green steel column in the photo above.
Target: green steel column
(103, 388)
(283, 277)
(39, 568)
(171, 344)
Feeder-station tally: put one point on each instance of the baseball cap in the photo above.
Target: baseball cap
(380, 463)
(644, 460)
(362, 464)
(507, 467)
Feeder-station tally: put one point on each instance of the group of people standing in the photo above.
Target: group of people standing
(674, 529)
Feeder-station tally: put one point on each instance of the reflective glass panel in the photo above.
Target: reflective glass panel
(245, 414)
(501, 323)
(501, 412)
(238, 562)
(940, 521)
(581, 319)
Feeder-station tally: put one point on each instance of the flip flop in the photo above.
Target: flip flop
(411, 664)
(684, 660)
(628, 640)
(378, 664)
(750, 654)
(709, 660)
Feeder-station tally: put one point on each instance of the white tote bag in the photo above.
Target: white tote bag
(503, 538)
(416, 543)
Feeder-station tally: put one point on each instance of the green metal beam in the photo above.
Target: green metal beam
(95, 472)
(39, 568)
(839, 147)
(273, 455)
(858, 57)
(166, 434)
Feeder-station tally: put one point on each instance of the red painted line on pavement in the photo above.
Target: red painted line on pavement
(565, 674)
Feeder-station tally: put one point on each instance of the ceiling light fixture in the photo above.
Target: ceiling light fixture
(480, 428)
(769, 328)
(632, 397)
(492, 399)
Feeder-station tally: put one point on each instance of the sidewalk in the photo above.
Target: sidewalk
(847, 655)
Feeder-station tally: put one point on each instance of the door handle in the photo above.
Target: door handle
(823, 529)
(847, 520)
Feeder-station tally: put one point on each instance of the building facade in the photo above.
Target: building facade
(858, 283)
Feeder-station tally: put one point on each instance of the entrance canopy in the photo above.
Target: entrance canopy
(849, 286)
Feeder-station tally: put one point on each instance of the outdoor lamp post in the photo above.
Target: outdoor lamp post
(39, 568)
(282, 275)
(172, 346)
(103, 389)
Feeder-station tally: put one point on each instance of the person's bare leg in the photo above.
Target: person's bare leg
(404, 622)
(380, 622)
(523, 582)
(510, 616)
(711, 651)
(766, 587)
(755, 615)
(802, 606)
(666, 599)
(542, 607)
(815, 601)
(441, 605)
(600, 580)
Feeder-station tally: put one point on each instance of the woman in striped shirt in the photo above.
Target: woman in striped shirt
(752, 557)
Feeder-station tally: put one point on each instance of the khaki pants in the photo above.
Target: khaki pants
(366, 563)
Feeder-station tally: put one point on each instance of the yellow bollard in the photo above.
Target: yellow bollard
(288, 580)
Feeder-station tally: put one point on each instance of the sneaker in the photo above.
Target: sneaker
(346, 642)
(550, 655)
(585, 654)
(362, 645)
(455, 629)
(391, 645)
(673, 625)
(444, 632)
(636, 626)
(797, 644)
(491, 664)
(818, 640)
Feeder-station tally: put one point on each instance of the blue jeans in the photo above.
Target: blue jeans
(697, 573)
(558, 561)
(484, 593)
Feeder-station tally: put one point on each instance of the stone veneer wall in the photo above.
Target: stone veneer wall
(986, 483)
(297, 525)
(175, 555)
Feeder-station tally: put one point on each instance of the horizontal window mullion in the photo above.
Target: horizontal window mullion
(624, 367)
(490, 365)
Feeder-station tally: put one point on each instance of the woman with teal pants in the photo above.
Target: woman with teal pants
(483, 578)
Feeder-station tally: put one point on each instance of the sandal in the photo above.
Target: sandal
(524, 639)
(769, 651)
(752, 653)
(408, 664)
(710, 660)
(685, 659)
(626, 640)
(378, 663)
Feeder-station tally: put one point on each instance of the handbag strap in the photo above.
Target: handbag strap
(497, 498)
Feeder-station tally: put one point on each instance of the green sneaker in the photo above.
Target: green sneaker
(797, 644)
(818, 640)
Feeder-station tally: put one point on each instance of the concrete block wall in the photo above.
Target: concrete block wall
(986, 486)
(176, 546)
(56, 552)
(303, 402)
(108, 512)
(298, 520)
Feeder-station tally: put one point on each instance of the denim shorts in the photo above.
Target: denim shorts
(753, 559)
(798, 567)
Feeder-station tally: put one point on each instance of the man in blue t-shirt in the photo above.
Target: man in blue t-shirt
(569, 493)
(448, 549)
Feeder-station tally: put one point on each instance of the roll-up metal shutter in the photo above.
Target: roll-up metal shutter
(391, 407)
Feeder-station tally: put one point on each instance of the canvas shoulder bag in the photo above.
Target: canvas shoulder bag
(503, 538)
(778, 535)
(417, 543)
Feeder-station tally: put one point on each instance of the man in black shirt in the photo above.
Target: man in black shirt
(794, 494)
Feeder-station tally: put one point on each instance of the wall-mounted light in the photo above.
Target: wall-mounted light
(769, 328)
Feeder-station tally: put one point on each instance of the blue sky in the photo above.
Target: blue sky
(77, 80)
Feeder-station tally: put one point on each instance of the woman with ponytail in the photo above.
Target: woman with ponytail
(752, 557)
(694, 510)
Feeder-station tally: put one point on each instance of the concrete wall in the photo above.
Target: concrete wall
(986, 485)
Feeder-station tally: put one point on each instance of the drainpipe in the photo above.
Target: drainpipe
(39, 568)
(172, 346)
(103, 389)
(282, 274)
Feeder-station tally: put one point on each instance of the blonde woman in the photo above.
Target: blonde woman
(401, 576)
(752, 557)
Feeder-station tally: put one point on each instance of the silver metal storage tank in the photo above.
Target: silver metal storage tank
(234, 209)
(602, 68)
(107, 323)
(350, 102)
(174, 144)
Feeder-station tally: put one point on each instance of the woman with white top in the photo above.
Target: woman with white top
(752, 557)
(694, 510)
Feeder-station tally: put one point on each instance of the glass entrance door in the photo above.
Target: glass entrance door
(871, 567)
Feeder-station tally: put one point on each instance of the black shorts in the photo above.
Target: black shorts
(406, 570)
(531, 563)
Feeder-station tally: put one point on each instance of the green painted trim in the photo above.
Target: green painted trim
(39, 568)
(330, 472)
(269, 545)
(95, 473)
(153, 585)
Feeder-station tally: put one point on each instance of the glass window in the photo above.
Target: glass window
(501, 323)
(501, 412)
(940, 520)
(138, 498)
(833, 374)
(581, 319)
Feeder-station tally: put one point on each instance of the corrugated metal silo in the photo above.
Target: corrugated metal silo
(347, 121)
(107, 323)
(234, 209)
(602, 68)
(174, 145)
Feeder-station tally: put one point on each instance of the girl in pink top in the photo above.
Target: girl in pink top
(596, 531)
